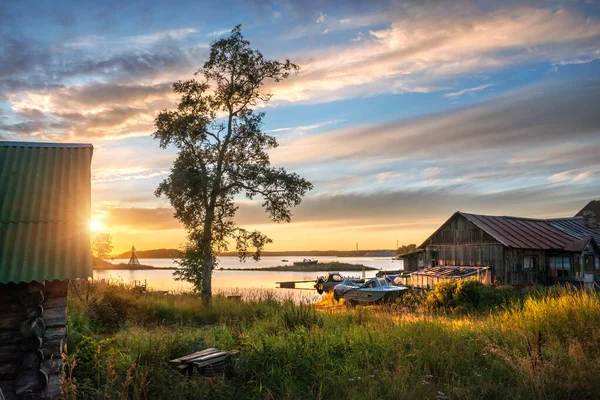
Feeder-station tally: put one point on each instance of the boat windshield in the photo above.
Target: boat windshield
(375, 283)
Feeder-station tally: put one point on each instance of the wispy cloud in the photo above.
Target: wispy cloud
(218, 33)
(469, 90)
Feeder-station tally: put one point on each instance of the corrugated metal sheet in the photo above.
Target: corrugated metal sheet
(576, 228)
(522, 233)
(45, 200)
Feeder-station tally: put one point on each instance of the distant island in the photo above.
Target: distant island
(99, 264)
(174, 253)
(320, 267)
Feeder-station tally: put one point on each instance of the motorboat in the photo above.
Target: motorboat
(328, 282)
(306, 261)
(374, 290)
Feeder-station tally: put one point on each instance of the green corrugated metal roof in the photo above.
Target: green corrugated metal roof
(45, 201)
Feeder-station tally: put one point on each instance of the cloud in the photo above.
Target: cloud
(469, 90)
(425, 46)
(555, 113)
(218, 33)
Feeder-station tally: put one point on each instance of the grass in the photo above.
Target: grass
(541, 344)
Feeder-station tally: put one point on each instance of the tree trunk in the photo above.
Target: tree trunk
(208, 255)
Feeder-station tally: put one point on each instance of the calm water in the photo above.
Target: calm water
(228, 281)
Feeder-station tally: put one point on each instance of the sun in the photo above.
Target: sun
(96, 226)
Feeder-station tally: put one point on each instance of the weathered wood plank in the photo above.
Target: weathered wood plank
(193, 356)
(32, 359)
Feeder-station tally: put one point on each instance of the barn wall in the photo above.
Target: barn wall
(33, 328)
(460, 242)
(515, 274)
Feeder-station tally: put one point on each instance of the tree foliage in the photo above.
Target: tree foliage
(223, 154)
(102, 245)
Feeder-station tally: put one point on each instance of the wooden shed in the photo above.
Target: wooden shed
(519, 251)
(45, 202)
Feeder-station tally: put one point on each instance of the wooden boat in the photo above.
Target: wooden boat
(374, 290)
(306, 261)
(328, 282)
(285, 260)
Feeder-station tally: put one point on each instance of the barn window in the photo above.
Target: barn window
(560, 266)
(530, 262)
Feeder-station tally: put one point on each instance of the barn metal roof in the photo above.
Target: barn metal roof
(532, 233)
(45, 201)
(516, 232)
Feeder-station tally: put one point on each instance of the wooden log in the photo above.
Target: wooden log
(55, 317)
(31, 343)
(30, 381)
(31, 299)
(35, 286)
(56, 332)
(53, 348)
(53, 388)
(9, 352)
(55, 302)
(56, 289)
(33, 327)
(53, 366)
(34, 311)
(9, 371)
(7, 385)
(32, 359)
(10, 321)
(10, 335)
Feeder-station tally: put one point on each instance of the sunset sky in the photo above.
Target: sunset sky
(402, 113)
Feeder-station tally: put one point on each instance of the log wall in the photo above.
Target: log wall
(33, 329)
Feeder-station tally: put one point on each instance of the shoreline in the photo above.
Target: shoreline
(321, 267)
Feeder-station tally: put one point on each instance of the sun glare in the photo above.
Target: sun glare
(96, 226)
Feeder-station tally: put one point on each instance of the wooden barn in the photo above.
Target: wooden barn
(45, 199)
(519, 251)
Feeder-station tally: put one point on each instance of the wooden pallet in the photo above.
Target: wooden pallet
(209, 362)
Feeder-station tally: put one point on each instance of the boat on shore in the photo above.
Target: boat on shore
(285, 260)
(374, 290)
(306, 261)
(328, 282)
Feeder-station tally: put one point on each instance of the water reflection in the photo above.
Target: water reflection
(231, 282)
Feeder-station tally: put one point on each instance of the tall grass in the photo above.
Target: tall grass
(545, 344)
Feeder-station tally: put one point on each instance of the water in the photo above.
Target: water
(229, 281)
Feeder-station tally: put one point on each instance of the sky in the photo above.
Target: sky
(402, 112)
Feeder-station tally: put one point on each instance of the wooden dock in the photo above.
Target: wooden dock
(209, 362)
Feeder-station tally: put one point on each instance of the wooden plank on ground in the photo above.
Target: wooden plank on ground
(189, 357)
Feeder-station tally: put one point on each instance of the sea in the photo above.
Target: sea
(234, 282)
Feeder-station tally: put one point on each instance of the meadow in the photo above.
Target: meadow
(461, 341)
